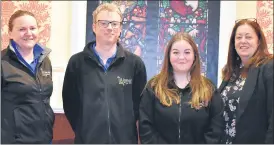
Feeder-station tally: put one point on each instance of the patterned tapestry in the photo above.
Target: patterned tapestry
(149, 25)
(265, 19)
(40, 9)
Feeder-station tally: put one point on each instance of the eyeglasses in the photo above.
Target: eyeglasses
(105, 23)
(247, 19)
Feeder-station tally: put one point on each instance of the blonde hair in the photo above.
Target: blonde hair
(111, 7)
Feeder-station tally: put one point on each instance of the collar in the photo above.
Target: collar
(186, 88)
(37, 49)
(120, 52)
(97, 54)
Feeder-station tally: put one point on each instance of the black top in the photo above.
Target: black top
(180, 123)
(231, 98)
(254, 115)
(102, 105)
(26, 115)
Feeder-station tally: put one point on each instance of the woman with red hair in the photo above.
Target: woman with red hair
(247, 87)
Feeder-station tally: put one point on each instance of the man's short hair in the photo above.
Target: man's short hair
(111, 7)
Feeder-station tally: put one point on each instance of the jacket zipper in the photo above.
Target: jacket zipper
(39, 63)
(37, 80)
(109, 131)
(40, 91)
(37, 77)
(108, 112)
(105, 72)
(180, 113)
(34, 76)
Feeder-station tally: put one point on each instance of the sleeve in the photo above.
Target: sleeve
(70, 95)
(147, 132)
(268, 79)
(49, 61)
(139, 82)
(216, 124)
(50, 65)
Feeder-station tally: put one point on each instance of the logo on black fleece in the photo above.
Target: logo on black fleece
(123, 81)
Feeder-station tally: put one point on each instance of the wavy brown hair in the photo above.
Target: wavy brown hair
(260, 56)
(163, 83)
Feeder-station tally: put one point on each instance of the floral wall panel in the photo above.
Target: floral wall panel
(41, 10)
(265, 19)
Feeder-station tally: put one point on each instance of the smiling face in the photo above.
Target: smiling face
(246, 41)
(181, 56)
(24, 31)
(106, 32)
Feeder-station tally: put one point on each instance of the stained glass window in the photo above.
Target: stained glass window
(149, 25)
(134, 25)
(183, 16)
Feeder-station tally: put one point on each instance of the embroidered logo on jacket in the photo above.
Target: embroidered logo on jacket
(45, 73)
(123, 81)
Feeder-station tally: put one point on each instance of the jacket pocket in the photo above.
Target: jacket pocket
(29, 126)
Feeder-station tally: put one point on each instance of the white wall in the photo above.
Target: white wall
(60, 36)
(246, 9)
(68, 36)
(78, 27)
(227, 21)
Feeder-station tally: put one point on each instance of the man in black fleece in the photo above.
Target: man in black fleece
(102, 85)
